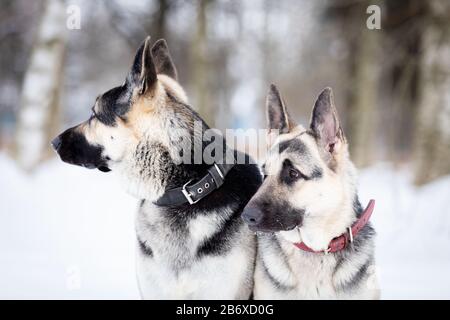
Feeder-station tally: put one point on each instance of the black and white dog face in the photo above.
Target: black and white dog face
(133, 127)
(303, 169)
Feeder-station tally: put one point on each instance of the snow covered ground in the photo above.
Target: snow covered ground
(67, 233)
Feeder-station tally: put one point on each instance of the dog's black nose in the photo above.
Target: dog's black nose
(252, 215)
(56, 143)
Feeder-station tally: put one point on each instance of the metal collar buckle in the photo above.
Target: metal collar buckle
(187, 195)
(350, 232)
(219, 171)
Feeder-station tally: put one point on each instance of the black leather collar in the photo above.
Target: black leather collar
(193, 193)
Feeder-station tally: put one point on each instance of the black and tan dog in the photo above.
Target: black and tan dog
(192, 241)
(309, 211)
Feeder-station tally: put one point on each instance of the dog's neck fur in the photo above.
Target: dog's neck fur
(157, 164)
(155, 171)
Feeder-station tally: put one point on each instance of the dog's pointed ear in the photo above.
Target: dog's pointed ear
(277, 115)
(143, 71)
(325, 122)
(163, 60)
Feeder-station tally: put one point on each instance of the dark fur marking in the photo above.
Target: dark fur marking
(357, 207)
(145, 249)
(280, 251)
(293, 145)
(221, 241)
(272, 279)
(114, 103)
(355, 281)
(311, 133)
(316, 173)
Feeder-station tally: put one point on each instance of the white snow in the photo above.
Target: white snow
(68, 233)
(413, 227)
(65, 232)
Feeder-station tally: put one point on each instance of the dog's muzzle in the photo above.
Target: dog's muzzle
(73, 148)
(252, 216)
(265, 216)
(56, 143)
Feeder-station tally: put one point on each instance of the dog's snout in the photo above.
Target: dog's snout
(252, 215)
(56, 143)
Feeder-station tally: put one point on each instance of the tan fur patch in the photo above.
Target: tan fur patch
(173, 87)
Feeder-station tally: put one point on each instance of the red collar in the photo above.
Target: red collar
(341, 242)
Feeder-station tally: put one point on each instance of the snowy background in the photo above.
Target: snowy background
(68, 233)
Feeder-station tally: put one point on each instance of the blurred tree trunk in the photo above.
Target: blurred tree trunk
(159, 30)
(361, 99)
(402, 26)
(362, 75)
(267, 45)
(432, 147)
(200, 65)
(38, 117)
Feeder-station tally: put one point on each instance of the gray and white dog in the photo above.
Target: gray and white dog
(309, 197)
(201, 250)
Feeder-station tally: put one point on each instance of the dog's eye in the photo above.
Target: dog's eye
(294, 174)
(291, 174)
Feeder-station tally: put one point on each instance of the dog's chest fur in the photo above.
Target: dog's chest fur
(285, 272)
(186, 255)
